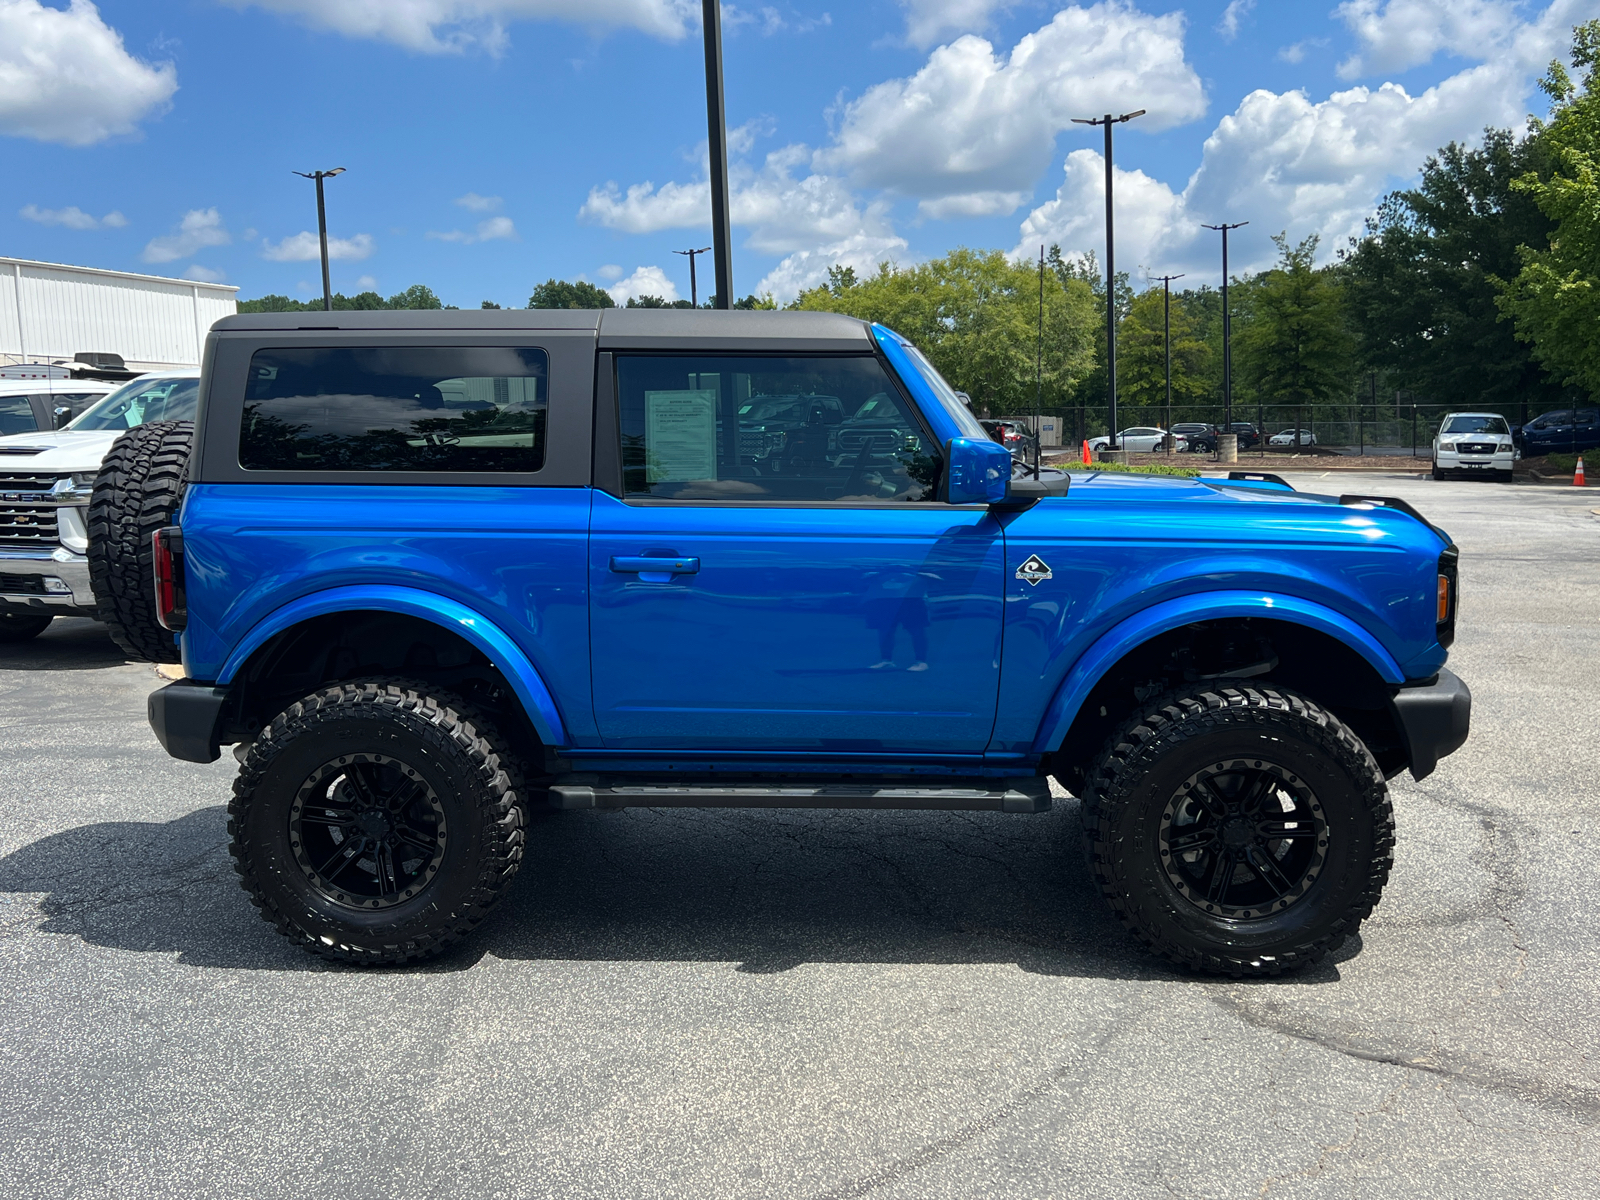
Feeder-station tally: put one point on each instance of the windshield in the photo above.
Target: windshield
(1478, 425)
(140, 401)
(959, 412)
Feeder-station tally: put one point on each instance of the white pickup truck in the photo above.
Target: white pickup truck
(45, 483)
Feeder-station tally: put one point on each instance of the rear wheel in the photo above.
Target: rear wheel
(1239, 830)
(19, 627)
(376, 822)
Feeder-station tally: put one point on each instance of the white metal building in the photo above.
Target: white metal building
(49, 311)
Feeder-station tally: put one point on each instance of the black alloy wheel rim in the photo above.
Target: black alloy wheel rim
(367, 831)
(1243, 839)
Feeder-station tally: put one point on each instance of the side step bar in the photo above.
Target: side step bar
(1012, 796)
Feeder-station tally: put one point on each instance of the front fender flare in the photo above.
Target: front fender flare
(482, 633)
(1186, 610)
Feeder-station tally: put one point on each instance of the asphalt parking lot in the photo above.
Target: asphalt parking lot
(705, 1003)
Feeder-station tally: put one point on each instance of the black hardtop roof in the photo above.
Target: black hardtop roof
(616, 328)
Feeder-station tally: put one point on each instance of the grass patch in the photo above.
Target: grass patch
(1135, 469)
(1562, 464)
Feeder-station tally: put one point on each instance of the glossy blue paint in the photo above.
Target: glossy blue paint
(501, 651)
(1120, 546)
(896, 351)
(514, 558)
(830, 628)
(977, 471)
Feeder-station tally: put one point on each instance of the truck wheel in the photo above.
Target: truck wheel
(19, 627)
(1239, 830)
(376, 822)
(138, 490)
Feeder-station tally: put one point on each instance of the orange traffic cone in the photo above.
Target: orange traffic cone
(1086, 460)
(1577, 476)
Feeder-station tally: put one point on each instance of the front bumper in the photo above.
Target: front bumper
(185, 716)
(1434, 719)
(32, 578)
(1454, 460)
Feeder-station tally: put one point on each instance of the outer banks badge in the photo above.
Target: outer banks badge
(1034, 570)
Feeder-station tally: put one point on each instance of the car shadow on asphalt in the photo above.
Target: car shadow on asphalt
(767, 891)
(69, 644)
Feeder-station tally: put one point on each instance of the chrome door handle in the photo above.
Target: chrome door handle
(640, 564)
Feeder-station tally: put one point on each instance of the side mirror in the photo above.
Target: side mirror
(978, 472)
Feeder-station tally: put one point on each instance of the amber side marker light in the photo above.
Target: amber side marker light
(1444, 599)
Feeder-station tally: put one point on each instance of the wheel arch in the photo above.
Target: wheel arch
(456, 620)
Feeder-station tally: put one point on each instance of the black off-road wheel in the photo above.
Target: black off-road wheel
(1239, 830)
(375, 822)
(138, 491)
(20, 627)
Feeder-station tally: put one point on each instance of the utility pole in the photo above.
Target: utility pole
(1038, 381)
(717, 125)
(1166, 325)
(322, 229)
(1227, 333)
(1111, 271)
(694, 291)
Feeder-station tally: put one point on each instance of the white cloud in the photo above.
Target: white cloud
(1396, 34)
(71, 217)
(610, 272)
(645, 281)
(1296, 53)
(1236, 11)
(473, 202)
(455, 26)
(200, 227)
(489, 230)
(770, 21)
(807, 268)
(65, 76)
(972, 123)
(366, 283)
(304, 247)
(929, 20)
(202, 274)
(972, 204)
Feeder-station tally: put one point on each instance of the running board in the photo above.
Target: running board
(1022, 796)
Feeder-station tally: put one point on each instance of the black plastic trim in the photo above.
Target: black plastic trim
(185, 716)
(1260, 477)
(607, 426)
(1434, 718)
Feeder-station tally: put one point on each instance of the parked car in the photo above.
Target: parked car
(1292, 437)
(1473, 444)
(31, 405)
(1015, 436)
(1565, 431)
(45, 482)
(1141, 439)
(1203, 437)
(417, 624)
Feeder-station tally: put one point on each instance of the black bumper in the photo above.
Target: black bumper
(1434, 719)
(185, 716)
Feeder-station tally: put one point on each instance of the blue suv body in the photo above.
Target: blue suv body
(541, 532)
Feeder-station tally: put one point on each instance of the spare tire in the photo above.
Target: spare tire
(138, 491)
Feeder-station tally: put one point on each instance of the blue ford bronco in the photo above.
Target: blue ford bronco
(429, 572)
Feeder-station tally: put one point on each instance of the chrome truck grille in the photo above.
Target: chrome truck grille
(27, 515)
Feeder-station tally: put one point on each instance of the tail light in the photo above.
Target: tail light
(172, 605)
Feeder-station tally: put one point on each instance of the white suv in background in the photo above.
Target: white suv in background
(45, 482)
(1473, 444)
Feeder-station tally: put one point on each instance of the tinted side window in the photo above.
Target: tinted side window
(16, 415)
(402, 408)
(757, 428)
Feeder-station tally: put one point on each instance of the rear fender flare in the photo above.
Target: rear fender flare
(1092, 665)
(506, 656)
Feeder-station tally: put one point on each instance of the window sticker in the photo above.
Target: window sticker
(680, 436)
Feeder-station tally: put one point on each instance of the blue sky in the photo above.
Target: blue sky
(491, 144)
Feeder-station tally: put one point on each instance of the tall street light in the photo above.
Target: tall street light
(1111, 271)
(717, 124)
(1166, 324)
(694, 291)
(322, 229)
(1227, 333)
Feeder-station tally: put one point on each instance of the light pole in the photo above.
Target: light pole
(1166, 325)
(1227, 333)
(717, 125)
(694, 291)
(322, 229)
(1111, 271)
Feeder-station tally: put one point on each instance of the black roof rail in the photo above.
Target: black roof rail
(1260, 477)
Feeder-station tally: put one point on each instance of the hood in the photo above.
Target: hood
(60, 453)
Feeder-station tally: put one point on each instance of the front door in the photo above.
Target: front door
(778, 575)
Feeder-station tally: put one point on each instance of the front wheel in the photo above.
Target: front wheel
(374, 822)
(1239, 830)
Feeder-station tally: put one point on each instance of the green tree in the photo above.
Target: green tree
(558, 293)
(1090, 390)
(1554, 299)
(1142, 357)
(418, 295)
(1294, 347)
(975, 314)
(655, 302)
(488, 304)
